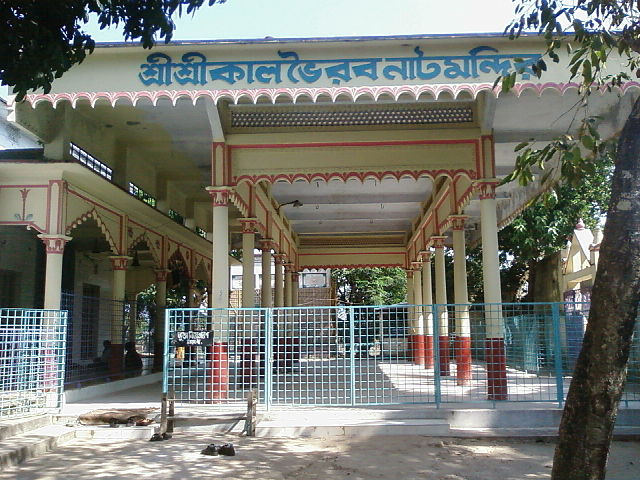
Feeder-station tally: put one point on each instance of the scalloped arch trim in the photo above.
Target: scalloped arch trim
(144, 237)
(314, 94)
(93, 213)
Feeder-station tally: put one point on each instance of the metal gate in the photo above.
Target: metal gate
(32, 360)
(293, 356)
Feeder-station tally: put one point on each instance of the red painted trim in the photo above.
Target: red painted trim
(479, 158)
(350, 265)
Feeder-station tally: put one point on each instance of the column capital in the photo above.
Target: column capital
(54, 243)
(120, 262)
(425, 255)
(161, 274)
(409, 272)
(438, 241)
(266, 244)
(416, 266)
(220, 195)
(486, 188)
(288, 267)
(280, 258)
(295, 276)
(458, 221)
(249, 225)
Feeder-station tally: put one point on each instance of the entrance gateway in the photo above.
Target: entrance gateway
(395, 148)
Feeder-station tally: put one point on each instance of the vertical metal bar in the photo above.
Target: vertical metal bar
(557, 357)
(352, 356)
(268, 357)
(436, 352)
(165, 353)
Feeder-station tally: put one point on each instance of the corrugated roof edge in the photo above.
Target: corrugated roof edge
(273, 40)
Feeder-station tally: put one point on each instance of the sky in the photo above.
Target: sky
(242, 19)
(248, 19)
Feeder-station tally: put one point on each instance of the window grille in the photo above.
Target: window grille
(140, 194)
(89, 161)
(176, 217)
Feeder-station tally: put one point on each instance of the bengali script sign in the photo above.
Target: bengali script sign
(196, 69)
(192, 338)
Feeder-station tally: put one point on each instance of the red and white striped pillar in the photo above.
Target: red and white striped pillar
(427, 311)
(441, 300)
(462, 344)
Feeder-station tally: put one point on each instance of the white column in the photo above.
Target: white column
(427, 293)
(248, 260)
(288, 293)
(295, 289)
(417, 298)
(427, 300)
(119, 263)
(265, 291)
(463, 323)
(279, 281)
(441, 300)
(495, 355)
(490, 261)
(54, 248)
(220, 274)
(410, 297)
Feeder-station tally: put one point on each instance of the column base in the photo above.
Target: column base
(418, 349)
(428, 351)
(218, 372)
(496, 369)
(463, 360)
(443, 343)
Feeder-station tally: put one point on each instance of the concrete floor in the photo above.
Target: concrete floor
(381, 458)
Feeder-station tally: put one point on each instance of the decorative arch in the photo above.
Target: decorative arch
(93, 214)
(295, 95)
(144, 237)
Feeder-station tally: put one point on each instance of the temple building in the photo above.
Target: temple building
(152, 166)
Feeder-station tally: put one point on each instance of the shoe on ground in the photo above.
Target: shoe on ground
(227, 449)
(156, 437)
(166, 436)
(212, 450)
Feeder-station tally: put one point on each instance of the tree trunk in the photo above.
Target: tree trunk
(544, 279)
(598, 381)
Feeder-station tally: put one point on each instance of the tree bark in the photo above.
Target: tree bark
(544, 279)
(587, 423)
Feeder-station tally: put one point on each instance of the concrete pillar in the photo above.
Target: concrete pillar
(191, 294)
(159, 320)
(441, 300)
(265, 292)
(220, 275)
(410, 313)
(248, 260)
(427, 300)
(463, 324)
(495, 355)
(119, 264)
(295, 289)
(418, 333)
(288, 287)
(54, 248)
(279, 281)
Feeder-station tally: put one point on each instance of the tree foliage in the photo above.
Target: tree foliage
(39, 41)
(370, 286)
(594, 34)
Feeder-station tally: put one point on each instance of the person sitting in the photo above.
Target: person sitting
(132, 360)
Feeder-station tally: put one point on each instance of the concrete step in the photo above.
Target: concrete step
(10, 428)
(352, 428)
(33, 443)
(123, 433)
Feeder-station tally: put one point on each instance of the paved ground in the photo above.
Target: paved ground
(387, 457)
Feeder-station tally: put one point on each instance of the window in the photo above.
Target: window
(201, 232)
(176, 217)
(137, 192)
(89, 161)
(236, 282)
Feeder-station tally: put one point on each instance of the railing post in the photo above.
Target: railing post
(352, 356)
(436, 353)
(268, 360)
(557, 354)
(165, 353)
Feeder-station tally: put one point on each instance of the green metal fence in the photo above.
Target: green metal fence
(32, 361)
(378, 355)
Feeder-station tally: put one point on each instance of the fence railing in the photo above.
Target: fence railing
(98, 331)
(379, 354)
(32, 360)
